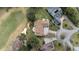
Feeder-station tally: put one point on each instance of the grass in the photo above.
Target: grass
(52, 26)
(73, 14)
(58, 46)
(2, 12)
(66, 25)
(42, 13)
(75, 39)
(10, 25)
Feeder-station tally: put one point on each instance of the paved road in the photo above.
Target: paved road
(68, 33)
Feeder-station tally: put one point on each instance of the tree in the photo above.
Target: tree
(32, 41)
(31, 14)
(59, 44)
(23, 38)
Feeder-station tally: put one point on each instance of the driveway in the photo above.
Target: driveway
(68, 33)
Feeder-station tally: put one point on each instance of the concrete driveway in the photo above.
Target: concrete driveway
(68, 33)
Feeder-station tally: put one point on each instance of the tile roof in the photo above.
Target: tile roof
(39, 26)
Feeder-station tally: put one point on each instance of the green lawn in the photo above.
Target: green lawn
(75, 39)
(42, 13)
(58, 46)
(73, 14)
(52, 26)
(9, 25)
(66, 25)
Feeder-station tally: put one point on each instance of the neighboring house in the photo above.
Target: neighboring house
(56, 12)
(16, 44)
(48, 47)
(41, 27)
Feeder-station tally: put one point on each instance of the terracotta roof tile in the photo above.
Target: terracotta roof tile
(39, 27)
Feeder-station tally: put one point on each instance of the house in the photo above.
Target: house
(56, 12)
(41, 27)
(48, 47)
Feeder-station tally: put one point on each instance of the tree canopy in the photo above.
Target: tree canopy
(32, 41)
